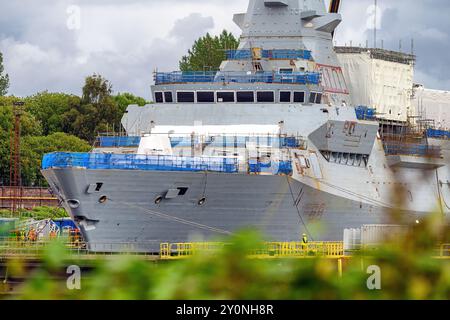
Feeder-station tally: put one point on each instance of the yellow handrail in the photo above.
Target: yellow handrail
(267, 250)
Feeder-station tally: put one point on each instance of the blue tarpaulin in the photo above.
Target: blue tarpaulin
(365, 113)
(438, 134)
(237, 77)
(111, 142)
(95, 161)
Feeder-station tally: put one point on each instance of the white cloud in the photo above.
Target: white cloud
(126, 40)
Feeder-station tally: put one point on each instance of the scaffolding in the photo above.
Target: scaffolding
(408, 139)
(380, 54)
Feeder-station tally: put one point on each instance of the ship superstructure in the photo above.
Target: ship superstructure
(270, 141)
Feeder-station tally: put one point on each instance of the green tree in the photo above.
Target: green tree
(123, 100)
(208, 52)
(30, 126)
(49, 109)
(97, 112)
(34, 148)
(4, 78)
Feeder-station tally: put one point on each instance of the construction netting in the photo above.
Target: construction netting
(380, 84)
(236, 77)
(237, 141)
(96, 161)
(111, 142)
(271, 167)
(409, 149)
(285, 54)
(365, 113)
(438, 134)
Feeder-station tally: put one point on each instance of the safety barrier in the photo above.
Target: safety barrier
(238, 141)
(438, 134)
(272, 167)
(236, 77)
(365, 113)
(268, 250)
(444, 251)
(114, 142)
(284, 54)
(420, 150)
(95, 161)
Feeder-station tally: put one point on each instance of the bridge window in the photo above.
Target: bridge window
(225, 96)
(319, 98)
(312, 97)
(168, 97)
(285, 96)
(159, 97)
(299, 97)
(286, 70)
(265, 96)
(246, 96)
(186, 97)
(205, 97)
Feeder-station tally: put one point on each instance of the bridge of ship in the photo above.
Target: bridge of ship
(237, 87)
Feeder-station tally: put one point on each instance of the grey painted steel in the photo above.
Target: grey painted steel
(282, 208)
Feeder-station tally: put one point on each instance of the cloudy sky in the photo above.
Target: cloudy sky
(53, 44)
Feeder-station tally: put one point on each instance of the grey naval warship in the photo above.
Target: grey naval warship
(270, 141)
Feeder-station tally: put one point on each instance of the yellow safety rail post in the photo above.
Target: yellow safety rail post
(300, 250)
(164, 251)
(444, 251)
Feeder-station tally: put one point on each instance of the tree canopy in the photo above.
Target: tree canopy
(60, 122)
(35, 147)
(33, 144)
(4, 78)
(97, 112)
(123, 100)
(208, 52)
(49, 109)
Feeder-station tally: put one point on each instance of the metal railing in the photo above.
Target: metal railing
(268, 250)
(118, 141)
(438, 134)
(419, 150)
(97, 161)
(236, 77)
(284, 54)
(444, 251)
(11, 248)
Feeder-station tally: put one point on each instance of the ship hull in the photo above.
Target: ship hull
(124, 216)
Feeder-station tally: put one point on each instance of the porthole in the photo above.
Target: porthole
(202, 201)
(158, 199)
(73, 204)
(103, 199)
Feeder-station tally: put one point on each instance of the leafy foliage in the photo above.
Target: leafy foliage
(4, 78)
(124, 100)
(34, 148)
(98, 112)
(30, 127)
(208, 52)
(60, 122)
(49, 109)
(38, 213)
(408, 272)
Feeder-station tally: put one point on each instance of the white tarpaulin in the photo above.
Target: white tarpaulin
(375, 83)
(433, 105)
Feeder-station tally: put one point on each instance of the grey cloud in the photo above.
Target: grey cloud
(123, 44)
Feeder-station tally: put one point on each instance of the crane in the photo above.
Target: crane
(334, 8)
